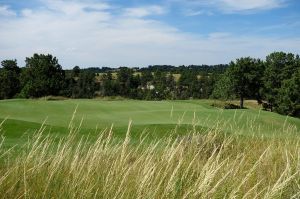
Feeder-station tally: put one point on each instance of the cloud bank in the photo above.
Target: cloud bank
(101, 34)
(231, 6)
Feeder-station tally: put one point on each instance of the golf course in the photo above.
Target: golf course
(160, 99)
(158, 118)
(95, 148)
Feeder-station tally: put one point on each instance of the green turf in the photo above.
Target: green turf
(25, 116)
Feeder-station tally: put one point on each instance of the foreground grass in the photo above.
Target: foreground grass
(196, 165)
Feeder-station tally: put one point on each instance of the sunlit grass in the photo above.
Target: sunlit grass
(209, 164)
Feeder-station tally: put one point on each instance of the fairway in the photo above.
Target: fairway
(158, 117)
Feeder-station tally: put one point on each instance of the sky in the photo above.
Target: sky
(138, 33)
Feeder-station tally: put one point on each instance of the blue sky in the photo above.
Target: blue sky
(141, 33)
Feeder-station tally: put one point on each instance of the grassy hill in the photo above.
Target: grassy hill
(158, 117)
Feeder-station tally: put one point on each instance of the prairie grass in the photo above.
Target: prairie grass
(210, 164)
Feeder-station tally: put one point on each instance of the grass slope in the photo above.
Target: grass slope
(156, 116)
(192, 166)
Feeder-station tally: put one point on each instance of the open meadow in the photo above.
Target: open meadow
(146, 149)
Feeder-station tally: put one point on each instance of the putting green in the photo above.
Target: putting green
(157, 116)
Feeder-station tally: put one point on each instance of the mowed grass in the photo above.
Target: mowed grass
(157, 117)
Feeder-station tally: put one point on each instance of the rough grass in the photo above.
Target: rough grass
(210, 164)
(178, 149)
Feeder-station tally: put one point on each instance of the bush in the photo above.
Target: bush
(225, 105)
(53, 98)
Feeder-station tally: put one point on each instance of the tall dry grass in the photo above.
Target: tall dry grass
(209, 165)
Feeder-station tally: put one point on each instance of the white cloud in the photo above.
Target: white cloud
(79, 35)
(6, 11)
(144, 11)
(231, 6)
(241, 5)
(190, 12)
(74, 7)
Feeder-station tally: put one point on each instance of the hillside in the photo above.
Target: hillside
(157, 117)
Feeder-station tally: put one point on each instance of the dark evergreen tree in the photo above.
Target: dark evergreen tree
(9, 79)
(244, 75)
(206, 85)
(127, 83)
(146, 77)
(108, 88)
(159, 82)
(76, 71)
(188, 85)
(171, 86)
(279, 67)
(289, 96)
(86, 85)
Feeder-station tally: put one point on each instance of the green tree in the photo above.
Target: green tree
(171, 86)
(76, 71)
(126, 81)
(11, 65)
(224, 88)
(206, 85)
(43, 76)
(289, 96)
(108, 85)
(86, 85)
(146, 77)
(188, 85)
(160, 86)
(9, 79)
(280, 66)
(242, 79)
(246, 74)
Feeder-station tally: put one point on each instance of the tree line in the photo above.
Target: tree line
(273, 82)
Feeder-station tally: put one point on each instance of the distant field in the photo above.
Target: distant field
(158, 117)
(114, 75)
